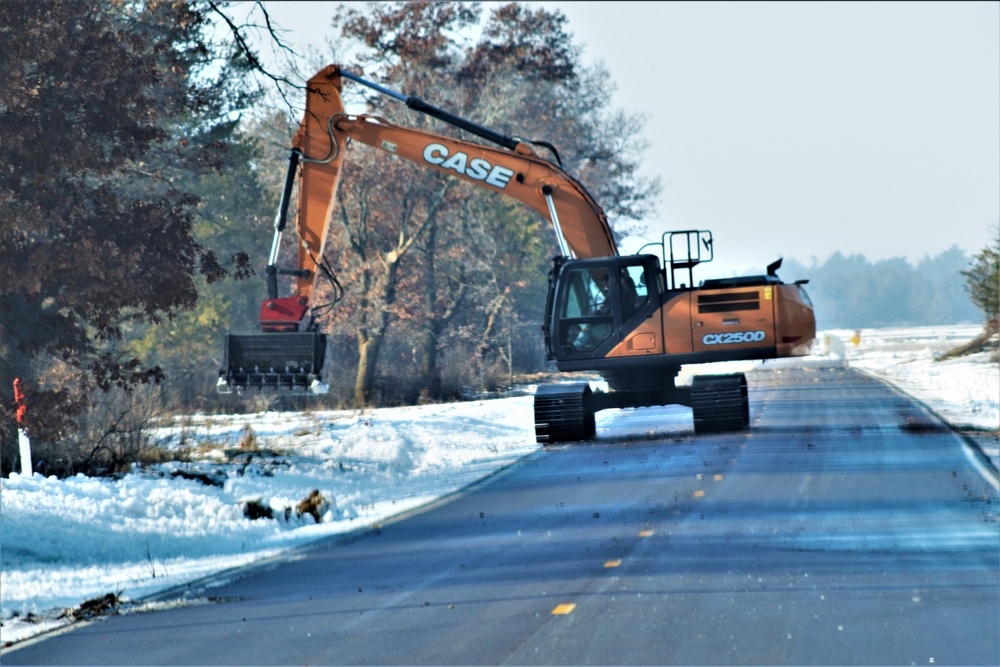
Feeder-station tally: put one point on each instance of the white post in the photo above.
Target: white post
(22, 436)
(22, 439)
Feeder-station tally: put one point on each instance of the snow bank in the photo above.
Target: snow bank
(66, 541)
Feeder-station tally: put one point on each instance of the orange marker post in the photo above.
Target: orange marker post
(22, 436)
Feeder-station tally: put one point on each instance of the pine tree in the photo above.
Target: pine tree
(982, 281)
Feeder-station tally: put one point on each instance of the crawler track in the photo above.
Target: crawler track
(562, 413)
(720, 403)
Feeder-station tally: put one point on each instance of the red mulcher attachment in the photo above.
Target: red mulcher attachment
(280, 358)
(273, 361)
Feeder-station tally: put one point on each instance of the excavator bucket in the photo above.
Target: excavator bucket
(279, 361)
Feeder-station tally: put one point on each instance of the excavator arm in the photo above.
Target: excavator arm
(294, 359)
(517, 172)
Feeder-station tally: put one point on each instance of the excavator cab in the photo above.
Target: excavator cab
(597, 301)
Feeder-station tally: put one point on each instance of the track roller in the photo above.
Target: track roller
(720, 403)
(563, 413)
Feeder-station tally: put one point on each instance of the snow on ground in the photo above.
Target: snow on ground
(965, 392)
(63, 542)
(67, 541)
(962, 391)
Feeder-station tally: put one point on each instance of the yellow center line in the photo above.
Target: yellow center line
(699, 494)
(563, 609)
(645, 533)
(613, 563)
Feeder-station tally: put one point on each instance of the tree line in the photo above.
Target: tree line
(853, 292)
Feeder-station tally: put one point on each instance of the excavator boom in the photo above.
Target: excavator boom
(513, 169)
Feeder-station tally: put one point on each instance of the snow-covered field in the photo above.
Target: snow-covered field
(66, 541)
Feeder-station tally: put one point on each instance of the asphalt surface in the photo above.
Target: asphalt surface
(846, 527)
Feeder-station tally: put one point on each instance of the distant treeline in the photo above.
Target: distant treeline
(849, 291)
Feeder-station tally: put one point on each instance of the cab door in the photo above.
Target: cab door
(641, 330)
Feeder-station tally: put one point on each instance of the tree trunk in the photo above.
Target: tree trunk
(429, 338)
(980, 343)
(370, 337)
(484, 340)
(368, 350)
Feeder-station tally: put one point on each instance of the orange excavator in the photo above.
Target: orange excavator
(635, 319)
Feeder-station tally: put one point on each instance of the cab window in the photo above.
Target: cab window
(585, 316)
(634, 293)
(587, 293)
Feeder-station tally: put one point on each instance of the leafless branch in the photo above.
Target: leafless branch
(240, 38)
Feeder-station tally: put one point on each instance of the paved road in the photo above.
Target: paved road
(845, 527)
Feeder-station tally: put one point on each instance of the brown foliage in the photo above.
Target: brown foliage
(95, 233)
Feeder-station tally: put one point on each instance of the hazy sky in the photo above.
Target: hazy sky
(797, 129)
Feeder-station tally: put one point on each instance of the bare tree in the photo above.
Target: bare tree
(427, 263)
